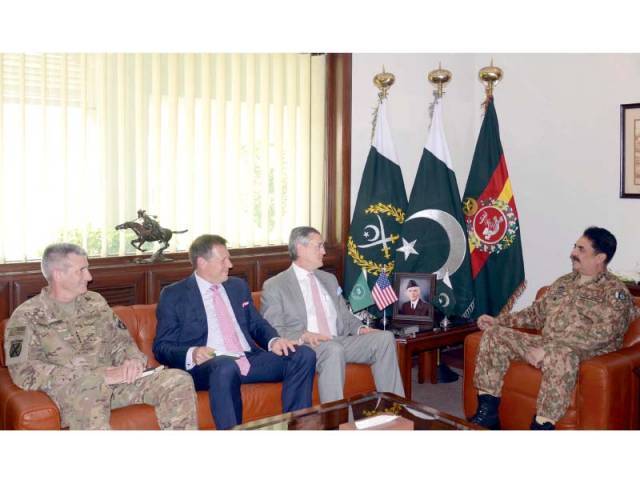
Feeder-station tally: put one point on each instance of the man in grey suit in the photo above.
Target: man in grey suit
(305, 304)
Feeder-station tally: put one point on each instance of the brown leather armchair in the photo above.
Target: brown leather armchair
(29, 410)
(607, 393)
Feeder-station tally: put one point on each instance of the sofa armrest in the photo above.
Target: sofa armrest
(608, 391)
(25, 410)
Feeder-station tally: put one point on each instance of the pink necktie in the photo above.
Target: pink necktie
(323, 325)
(229, 335)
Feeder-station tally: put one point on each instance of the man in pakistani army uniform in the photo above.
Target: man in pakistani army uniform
(68, 343)
(583, 314)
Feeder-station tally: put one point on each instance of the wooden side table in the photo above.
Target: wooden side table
(425, 344)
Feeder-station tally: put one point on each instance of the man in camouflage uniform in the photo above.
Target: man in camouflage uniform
(583, 314)
(68, 343)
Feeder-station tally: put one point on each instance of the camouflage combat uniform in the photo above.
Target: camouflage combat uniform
(64, 351)
(577, 321)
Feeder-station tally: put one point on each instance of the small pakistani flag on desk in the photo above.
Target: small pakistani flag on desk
(360, 296)
(445, 298)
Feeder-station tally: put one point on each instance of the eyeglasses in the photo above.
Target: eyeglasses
(318, 245)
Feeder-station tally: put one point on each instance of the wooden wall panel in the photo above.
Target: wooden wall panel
(131, 283)
(120, 286)
(5, 300)
(245, 268)
(158, 279)
(332, 264)
(270, 267)
(25, 287)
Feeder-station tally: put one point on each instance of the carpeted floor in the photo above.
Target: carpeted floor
(446, 397)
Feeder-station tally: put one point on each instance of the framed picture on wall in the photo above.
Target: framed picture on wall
(630, 150)
(415, 293)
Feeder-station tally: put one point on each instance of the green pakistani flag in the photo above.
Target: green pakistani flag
(360, 296)
(434, 233)
(493, 227)
(379, 211)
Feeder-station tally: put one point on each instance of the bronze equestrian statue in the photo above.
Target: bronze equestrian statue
(149, 230)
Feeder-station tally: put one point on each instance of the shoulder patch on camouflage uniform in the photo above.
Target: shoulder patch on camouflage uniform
(17, 344)
(620, 300)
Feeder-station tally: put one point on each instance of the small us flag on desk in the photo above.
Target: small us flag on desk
(383, 293)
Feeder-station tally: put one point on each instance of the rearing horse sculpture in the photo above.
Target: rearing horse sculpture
(159, 234)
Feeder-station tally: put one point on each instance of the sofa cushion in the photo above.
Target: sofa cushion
(21, 409)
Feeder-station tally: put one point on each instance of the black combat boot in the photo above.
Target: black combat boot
(487, 414)
(544, 426)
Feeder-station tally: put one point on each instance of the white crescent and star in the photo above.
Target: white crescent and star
(444, 300)
(376, 233)
(455, 234)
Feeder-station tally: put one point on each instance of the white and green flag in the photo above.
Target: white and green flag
(360, 296)
(434, 232)
(380, 208)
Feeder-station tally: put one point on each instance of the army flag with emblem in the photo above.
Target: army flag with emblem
(434, 232)
(492, 222)
(380, 208)
(360, 296)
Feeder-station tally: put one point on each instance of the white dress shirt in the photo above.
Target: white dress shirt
(214, 335)
(330, 312)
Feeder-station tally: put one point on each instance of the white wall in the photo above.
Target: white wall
(559, 120)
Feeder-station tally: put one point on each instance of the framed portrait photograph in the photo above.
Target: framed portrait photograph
(630, 150)
(415, 292)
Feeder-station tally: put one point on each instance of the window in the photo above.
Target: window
(213, 143)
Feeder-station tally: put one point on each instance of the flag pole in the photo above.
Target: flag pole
(384, 310)
(490, 76)
(383, 81)
(367, 321)
(439, 78)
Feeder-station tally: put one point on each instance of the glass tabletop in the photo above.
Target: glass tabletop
(348, 413)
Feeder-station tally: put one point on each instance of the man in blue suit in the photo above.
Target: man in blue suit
(208, 326)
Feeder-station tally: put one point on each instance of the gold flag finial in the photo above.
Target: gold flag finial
(384, 81)
(490, 76)
(439, 77)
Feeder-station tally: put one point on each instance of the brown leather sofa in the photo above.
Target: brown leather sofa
(607, 394)
(28, 410)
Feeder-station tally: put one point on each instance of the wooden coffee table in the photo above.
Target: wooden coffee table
(330, 416)
(425, 344)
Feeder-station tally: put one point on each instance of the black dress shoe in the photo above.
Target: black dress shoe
(487, 414)
(541, 426)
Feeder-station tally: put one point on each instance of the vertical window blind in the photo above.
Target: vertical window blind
(214, 143)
